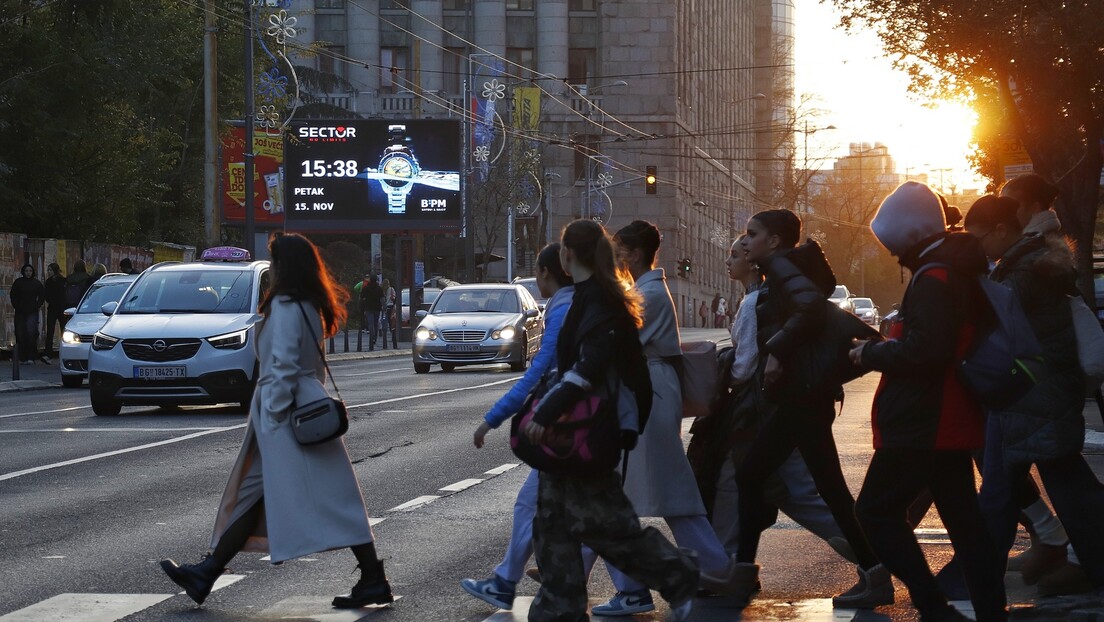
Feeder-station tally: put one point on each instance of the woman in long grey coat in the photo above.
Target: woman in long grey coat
(284, 498)
(659, 481)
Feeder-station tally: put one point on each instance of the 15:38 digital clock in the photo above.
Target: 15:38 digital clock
(322, 168)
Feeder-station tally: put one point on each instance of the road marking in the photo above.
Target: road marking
(431, 394)
(415, 503)
(45, 412)
(519, 612)
(318, 608)
(99, 430)
(499, 470)
(461, 485)
(118, 452)
(375, 520)
(932, 536)
(370, 373)
(86, 607)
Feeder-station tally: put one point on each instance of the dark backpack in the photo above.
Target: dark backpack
(73, 294)
(1005, 359)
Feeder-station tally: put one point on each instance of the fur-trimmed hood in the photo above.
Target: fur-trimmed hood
(1050, 258)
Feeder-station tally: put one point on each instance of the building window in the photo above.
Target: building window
(329, 4)
(523, 57)
(394, 4)
(580, 64)
(582, 5)
(455, 5)
(329, 61)
(584, 155)
(393, 64)
(519, 5)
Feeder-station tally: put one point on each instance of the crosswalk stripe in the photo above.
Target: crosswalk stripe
(461, 485)
(519, 613)
(85, 607)
(318, 608)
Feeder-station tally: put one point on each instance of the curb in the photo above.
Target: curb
(12, 386)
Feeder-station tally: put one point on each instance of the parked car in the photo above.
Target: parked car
(866, 310)
(83, 321)
(182, 335)
(530, 284)
(478, 324)
(842, 298)
(429, 294)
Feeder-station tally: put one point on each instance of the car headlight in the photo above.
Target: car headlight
(505, 334)
(230, 341)
(425, 334)
(102, 341)
(70, 337)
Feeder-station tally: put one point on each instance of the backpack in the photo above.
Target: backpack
(73, 294)
(1005, 359)
(697, 373)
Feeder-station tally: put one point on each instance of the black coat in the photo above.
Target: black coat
(1047, 422)
(55, 293)
(27, 295)
(791, 307)
(920, 402)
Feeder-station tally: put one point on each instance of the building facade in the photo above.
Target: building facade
(685, 86)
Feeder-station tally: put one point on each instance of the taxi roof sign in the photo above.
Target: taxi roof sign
(225, 253)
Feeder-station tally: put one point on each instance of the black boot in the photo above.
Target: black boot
(372, 589)
(196, 579)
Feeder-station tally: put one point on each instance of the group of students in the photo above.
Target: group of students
(608, 311)
(929, 430)
(59, 292)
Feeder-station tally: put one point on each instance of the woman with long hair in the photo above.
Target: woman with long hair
(790, 309)
(556, 287)
(283, 498)
(598, 343)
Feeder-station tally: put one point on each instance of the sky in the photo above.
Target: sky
(867, 100)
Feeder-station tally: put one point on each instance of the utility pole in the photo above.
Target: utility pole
(212, 222)
(250, 122)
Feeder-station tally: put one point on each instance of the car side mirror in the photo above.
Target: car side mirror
(532, 313)
(421, 313)
(70, 312)
(109, 308)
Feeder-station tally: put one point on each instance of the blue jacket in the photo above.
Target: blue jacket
(554, 312)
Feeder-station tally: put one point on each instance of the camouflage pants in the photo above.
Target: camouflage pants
(595, 512)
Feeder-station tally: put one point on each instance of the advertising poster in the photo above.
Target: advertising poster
(268, 182)
(373, 175)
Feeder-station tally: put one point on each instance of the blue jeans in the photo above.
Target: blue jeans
(1077, 496)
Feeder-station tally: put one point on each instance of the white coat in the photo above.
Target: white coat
(312, 501)
(659, 481)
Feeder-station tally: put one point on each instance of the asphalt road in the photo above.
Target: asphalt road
(89, 505)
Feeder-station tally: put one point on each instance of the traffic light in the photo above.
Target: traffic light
(684, 267)
(650, 179)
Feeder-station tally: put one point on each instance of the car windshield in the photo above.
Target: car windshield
(428, 296)
(191, 291)
(863, 303)
(841, 292)
(100, 294)
(476, 301)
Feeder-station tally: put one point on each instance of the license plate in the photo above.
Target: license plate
(161, 372)
(462, 347)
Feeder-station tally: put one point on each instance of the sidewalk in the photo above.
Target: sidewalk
(38, 376)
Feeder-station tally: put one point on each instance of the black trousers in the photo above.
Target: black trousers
(53, 316)
(805, 425)
(26, 336)
(894, 479)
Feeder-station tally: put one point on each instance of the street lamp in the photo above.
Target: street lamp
(805, 153)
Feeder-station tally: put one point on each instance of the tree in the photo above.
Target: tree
(1041, 63)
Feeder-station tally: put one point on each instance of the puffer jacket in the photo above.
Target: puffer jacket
(920, 402)
(790, 307)
(1047, 423)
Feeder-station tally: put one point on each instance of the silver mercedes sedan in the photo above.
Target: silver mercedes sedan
(478, 324)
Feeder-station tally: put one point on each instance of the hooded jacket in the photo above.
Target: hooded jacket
(27, 293)
(920, 402)
(1047, 423)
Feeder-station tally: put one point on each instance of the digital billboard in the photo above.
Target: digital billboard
(268, 178)
(373, 175)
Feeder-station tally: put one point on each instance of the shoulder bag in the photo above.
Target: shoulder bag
(321, 420)
(1090, 339)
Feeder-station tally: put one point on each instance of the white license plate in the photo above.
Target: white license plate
(161, 372)
(462, 347)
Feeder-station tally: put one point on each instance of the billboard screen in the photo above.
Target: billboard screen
(373, 175)
(268, 178)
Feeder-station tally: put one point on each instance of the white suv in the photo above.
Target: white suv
(84, 320)
(183, 334)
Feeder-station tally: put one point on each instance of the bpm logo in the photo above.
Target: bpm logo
(321, 134)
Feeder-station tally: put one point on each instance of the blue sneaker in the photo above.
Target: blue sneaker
(626, 604)
(496, 591)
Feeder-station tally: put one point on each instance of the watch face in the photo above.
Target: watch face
(399, 165)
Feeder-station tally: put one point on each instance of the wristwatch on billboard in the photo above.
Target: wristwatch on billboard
(398, 161)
